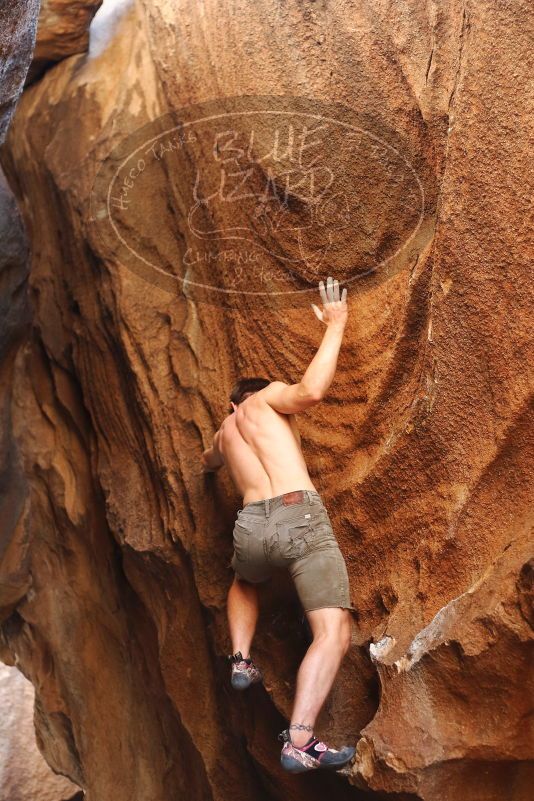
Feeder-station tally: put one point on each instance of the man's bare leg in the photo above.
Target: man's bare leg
(242, 611)
(331, 629)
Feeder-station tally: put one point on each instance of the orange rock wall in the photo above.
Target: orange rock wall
(118, 567)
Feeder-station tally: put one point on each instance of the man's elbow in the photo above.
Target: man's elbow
(311, 395)
(208, 459)
(210, 464)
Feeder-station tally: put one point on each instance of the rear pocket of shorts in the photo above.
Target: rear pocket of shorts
(294, 538)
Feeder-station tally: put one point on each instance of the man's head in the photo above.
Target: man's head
(245, 387)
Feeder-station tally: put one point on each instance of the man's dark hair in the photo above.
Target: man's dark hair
(245, 387)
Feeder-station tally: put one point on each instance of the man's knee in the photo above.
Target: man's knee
(347, 629)
(335, 630)
(346, 634)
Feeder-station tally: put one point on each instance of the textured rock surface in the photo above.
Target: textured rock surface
(423, 452)
(63, 30)
(453, 692)
(18, 24)
(24, 774)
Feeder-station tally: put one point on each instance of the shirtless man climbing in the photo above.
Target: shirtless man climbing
(283, 523)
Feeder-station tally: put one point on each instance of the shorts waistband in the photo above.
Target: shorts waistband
(268, 505)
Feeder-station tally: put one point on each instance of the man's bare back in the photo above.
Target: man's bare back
(259, 441)
(261, 449)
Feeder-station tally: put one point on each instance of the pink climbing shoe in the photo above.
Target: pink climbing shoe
(313, 754)
(244, 671)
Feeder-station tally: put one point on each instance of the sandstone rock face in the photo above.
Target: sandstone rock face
(113, 592)
(477, 650)
(23, 772)
(63, 31)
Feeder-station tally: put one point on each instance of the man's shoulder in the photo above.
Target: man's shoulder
(272, 387)
(269, 395)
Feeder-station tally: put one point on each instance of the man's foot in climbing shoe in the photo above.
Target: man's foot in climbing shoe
(313, 754)
(244, 671)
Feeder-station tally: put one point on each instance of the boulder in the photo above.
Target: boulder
(198, 153)
(63, 31)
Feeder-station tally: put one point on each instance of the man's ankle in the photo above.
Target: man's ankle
(300, 737)
(299, 741)
(243, 656)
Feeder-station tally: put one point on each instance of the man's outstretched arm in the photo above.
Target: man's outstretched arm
(212, 457)
(311, 389)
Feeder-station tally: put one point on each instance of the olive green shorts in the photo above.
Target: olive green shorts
(292, 531)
